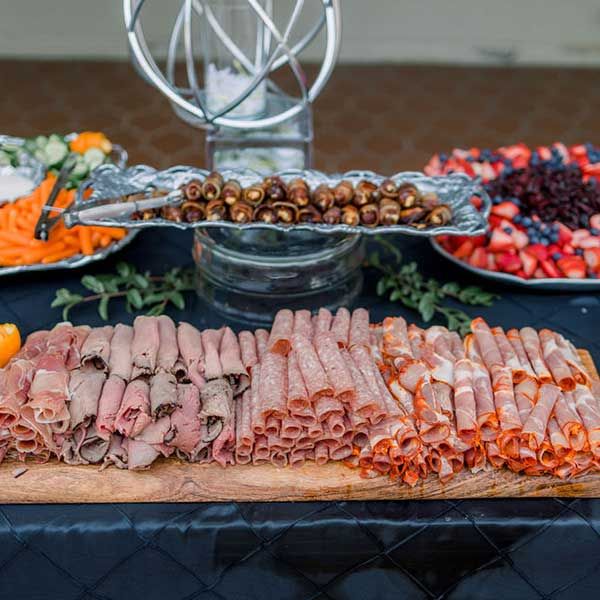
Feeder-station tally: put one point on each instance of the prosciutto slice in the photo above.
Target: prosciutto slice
(134, 412)
(163, 394)
(340, 327)
(65, 341)
(231, 362)
(168, 350)
(464, 402)
(189, 340)
(144, 347)
(15, 383)
(281, 332)
(49, 390)
(531, 343)
(211, 340)
(359, 328)
(119, 357)
(313, 373)
(35, 344)
(186, 426)
(534, 429)
(108, 405)
(556, 361)
(95, 351)
(85, 388)
(486, 343)
(248, 350)
(336, 368)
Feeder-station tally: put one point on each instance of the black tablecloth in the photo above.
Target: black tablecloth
(546, 548)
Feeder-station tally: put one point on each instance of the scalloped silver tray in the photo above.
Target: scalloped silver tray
(108, 181)
(561, 284)
(119, 157)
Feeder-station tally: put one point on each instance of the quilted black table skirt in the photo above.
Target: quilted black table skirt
(496, 549)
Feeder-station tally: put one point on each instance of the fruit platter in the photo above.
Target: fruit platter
(544, 224)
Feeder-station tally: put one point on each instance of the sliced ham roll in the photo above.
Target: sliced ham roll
(411, 374)
(140, 455)
(189, 340)
(556, 362)
(211, 341)
(486, 343)
(49, 391)
(144, 347)
(456, 345)
(120, 361)
(416, 338)
(437, 337)
(157, 433)
(464, 402)
(336, 368)
(534, 429)
(273, 385)
(588, 407)
(531, 343)
(217, 409)
(15, 383)
(359, 328)
(134, 412)
(303, 323)
(281, 332)
(85, 388)
(231, 362)
(395, 340)
(441, 368)
(65, 341)
(340, 327)
(509, 356)
(323, 321)
(163, 394)
(84, 447)
(487, 419)
(514, 337)
(570, 422)
(314, 375)
(432, 424)
(168, 350)
(526, 393)
(116, 454)
(95, 351)
(507, 411)
(560, 444)
(248, 350)
(108, 405)
(572, 358)
(262, 342)
(186, 425)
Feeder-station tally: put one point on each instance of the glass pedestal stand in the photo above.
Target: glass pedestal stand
(249, 275)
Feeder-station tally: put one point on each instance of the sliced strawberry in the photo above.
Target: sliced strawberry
(554, 249)
(592, 259)
(578, 236)
(530, 263)
(592, 170)
(478, 258)
(479, 240)
(464, 250)
(539, 273)
(516, 151)
(549, 268)
(544, 152)
(494, 221)
(506, 210)
(595, 221)
(491, 262)
(520, 273)
(538, 250)
(578, 150)
(476, 201)
(568, 249)
(501, 241)
(572, 266)
(509, 263)
(590, 242)
(521, 239)
(565, 235)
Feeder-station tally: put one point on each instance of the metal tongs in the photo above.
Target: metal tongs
(107, 208)
(45, 222)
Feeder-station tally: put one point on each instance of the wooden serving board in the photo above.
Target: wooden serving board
(170, 480)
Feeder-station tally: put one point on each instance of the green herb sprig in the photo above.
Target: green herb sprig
(404, 283)
(141, 291)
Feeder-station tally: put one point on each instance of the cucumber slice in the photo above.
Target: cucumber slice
(5, 159)
(41, 141)
(94, 157)
(54, 137)
(41, 155)
(81, 169)
(30, 146)
(56, 151)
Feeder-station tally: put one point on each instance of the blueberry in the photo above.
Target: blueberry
(497, 200)
(517, 219)
(527, 221)
(592, 180)
(554, 238)
(443, 156)
(583, 220)
(595, 231)
(470, 159)
(507, 171)
(516, 201)
(556, 256)
(544, 241)
(533, 238)
(579, 251)
(508, 230)
(589, 146)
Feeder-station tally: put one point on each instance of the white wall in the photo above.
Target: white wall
(521, 31)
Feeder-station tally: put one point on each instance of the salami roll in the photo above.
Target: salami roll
(290, 428)
(340, 327)
(525, 396)
(257, 418)
(534, 429)
(262, 340)
(211, 341)
(456, 345)
(323, 321)
(336, 368)
(281, 332)
(359, 328)
(327, 405)
(486, 343)
(303, 323)
(272, 426)
(437, 337)
(248, 350)
(297, 396)
(569, 353)
(313, 373)
(273, 385)
(306, 416)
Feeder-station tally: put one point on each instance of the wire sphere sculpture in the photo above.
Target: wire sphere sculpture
(190, 102)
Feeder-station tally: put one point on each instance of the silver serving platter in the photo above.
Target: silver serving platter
(119, 158)
(108, 181)
(561, 284)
